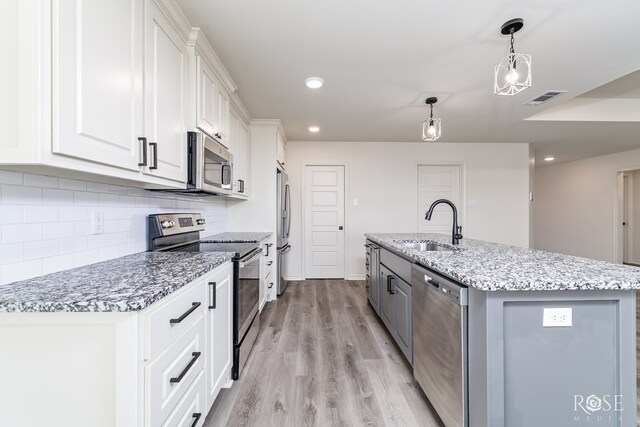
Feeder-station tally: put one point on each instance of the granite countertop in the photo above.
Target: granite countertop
(242, 237)
(129, 283)
(497, 267)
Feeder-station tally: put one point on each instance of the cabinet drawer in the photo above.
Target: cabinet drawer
(397, 264)
(173, 316)
(168, 377)
(191, 410)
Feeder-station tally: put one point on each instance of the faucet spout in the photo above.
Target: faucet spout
(456, 233)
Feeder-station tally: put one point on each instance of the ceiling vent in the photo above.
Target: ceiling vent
(545, 97)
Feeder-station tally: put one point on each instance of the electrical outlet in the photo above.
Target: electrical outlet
(355, 202)
(557, 317)
(97, 222)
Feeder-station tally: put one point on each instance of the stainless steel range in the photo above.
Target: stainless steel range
(181, 232)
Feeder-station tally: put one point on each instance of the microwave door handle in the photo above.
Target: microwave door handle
(224, 179)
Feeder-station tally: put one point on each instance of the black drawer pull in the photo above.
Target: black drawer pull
(197, 416)
(154, 145)
(193, 308)
(196, 355)
(270, 263)
(214, 295)
(271, 285)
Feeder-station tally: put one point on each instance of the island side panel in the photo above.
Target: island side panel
(530, 375)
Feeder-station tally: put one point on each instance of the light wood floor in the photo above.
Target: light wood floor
(322, 358)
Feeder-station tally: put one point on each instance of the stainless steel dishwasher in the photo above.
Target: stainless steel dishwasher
(440, 343)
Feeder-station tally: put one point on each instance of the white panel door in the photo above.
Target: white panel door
(324, 222)
(165, 96)
(97, 80)
(438, 182)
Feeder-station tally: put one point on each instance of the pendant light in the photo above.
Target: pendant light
(513, 73)
(431, 128)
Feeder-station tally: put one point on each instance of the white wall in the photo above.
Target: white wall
(576, 204)
(45, 222)
(382, 176)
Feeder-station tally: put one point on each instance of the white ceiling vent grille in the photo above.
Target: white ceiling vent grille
(545, 97)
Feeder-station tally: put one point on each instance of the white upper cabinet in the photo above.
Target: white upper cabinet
(239, 146)
(97, 78)
(281, 152)
(212, 111)
(246, 158)
(166, 65)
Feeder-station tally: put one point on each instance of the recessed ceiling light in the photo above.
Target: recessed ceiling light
(549, 159)
(314, 82)
(314, 129)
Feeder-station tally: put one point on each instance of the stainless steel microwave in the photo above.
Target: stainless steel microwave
(209, 165)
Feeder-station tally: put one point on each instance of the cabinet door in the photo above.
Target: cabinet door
(207, 96)
(403, 326)
(374, 282)
(223, 117)
(219, 328)
(387, 306)
(97, 81)
(235, 146)
(245, 142)
(165, 96)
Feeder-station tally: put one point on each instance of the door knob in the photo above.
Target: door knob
(340, 228)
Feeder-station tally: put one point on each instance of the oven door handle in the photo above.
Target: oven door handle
(251, 257)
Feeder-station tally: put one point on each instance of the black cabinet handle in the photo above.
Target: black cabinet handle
(193, 308)
(196, 417)
(195, 355)
(154, 145)
(268, 245)
(241, 182)
(214, 295)
(270, 285)
(270, 263)
(144, 151)
(392, 289)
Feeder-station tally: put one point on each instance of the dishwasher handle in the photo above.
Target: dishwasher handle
(439, 283)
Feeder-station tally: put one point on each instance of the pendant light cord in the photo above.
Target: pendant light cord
(512, 50)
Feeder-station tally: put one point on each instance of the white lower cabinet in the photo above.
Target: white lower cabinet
(219, 332)
(162, 366)
(267, 268)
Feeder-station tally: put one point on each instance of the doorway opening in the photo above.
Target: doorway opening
(628, 218)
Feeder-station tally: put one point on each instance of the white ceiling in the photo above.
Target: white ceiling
(381, 59)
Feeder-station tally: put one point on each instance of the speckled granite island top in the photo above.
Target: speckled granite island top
(246, 237)
(129, 283)
(496, 267)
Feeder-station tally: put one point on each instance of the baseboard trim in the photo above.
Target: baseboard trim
(357, 277)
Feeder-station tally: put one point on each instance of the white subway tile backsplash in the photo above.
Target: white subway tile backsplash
(72, 184)
(11, 214)
(21, 270)
(11, 253)
(57, 197)
(58, 230)
(41, 249)
(18, 233)
(81, 198)
(19, 195)
(40, 181)
(40, 214)
(10, 177)
(57, 263)
(45, 222)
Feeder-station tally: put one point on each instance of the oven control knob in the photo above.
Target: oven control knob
(167, 224)
(200, 221)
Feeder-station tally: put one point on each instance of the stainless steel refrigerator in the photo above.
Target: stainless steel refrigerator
(284, 226)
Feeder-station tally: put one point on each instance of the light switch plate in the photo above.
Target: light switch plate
(557, 317)
(355, 202)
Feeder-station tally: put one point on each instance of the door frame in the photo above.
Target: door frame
(463, 189)
(618, 213)
(347, 213)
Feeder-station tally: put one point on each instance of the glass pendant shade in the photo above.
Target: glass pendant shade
(431, 129)
(513, 74)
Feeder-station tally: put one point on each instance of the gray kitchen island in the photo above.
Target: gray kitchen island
(500, 335)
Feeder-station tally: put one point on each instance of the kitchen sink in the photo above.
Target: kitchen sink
(423, 246)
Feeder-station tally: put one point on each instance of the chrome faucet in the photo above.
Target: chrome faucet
(456, 234)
